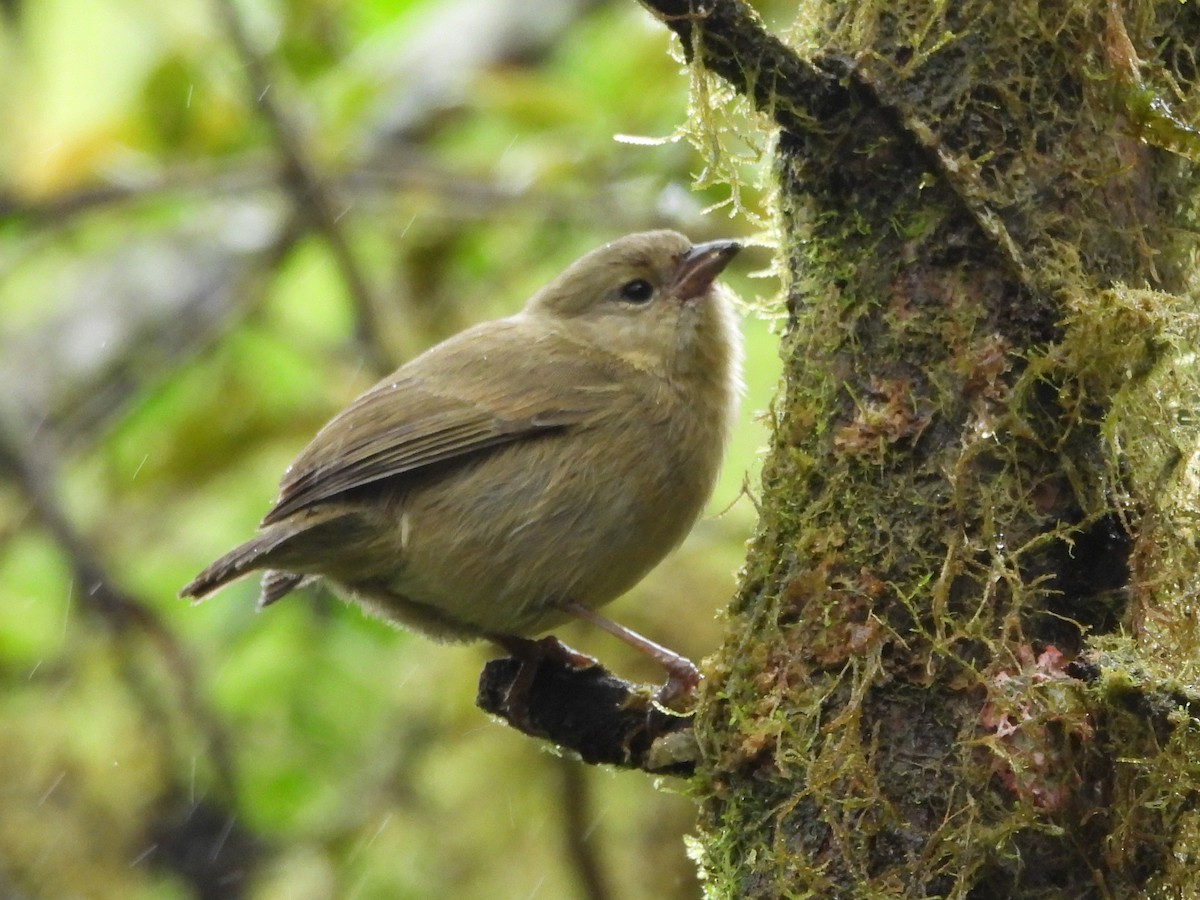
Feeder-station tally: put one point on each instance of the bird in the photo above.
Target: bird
(528, 470)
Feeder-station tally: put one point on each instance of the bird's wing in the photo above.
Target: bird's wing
(494, 384)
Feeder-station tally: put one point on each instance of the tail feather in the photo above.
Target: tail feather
(298, 543)
(239, 561)
(276, 584)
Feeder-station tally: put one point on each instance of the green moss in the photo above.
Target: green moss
(984, 467)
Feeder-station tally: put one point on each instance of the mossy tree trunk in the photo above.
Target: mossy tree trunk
(963, 656)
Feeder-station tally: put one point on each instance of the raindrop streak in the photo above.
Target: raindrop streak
(361, 846)
(379, 830)
(67, 612)
(404, 230)
(137, 859)
(591, 829)
(224, 836)
(503, 154)
(54, 784)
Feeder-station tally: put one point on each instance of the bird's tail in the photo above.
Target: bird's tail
(242, 560)
(294, 546)
(276, 584)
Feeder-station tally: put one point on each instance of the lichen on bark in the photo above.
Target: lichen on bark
(963, 652)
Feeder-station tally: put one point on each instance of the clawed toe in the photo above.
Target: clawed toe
(682, 680)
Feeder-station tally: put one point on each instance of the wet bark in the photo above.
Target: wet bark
(962, 656)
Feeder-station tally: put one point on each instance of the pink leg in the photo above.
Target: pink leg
(682, 674)
(549, 647)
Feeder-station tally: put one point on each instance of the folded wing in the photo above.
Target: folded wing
(498, 383)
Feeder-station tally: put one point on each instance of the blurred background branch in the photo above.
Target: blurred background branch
(218, 221)
(310, 191)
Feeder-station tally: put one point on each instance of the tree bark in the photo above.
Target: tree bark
(963, 657)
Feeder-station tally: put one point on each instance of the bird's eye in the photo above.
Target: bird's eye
(637, 291)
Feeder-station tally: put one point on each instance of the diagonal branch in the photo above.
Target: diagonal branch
(310, 192)
(101, 594)
(577, 807)
(809, 96)
(729, 39)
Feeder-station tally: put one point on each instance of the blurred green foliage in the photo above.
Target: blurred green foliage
(172, 331)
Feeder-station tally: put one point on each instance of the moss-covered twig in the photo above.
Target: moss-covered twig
(728, 39)
(1120, 683)
(591, 712)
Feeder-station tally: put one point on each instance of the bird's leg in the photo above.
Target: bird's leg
(682, 674)
(549, 647)
(530, 653)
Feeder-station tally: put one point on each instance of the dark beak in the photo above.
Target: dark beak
(700, 266)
